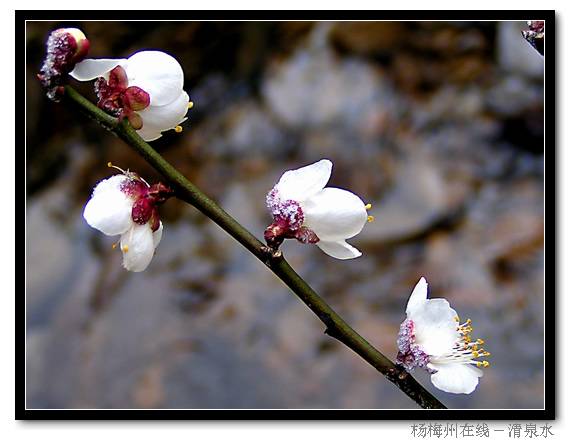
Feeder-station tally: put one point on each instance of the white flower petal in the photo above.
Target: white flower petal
(334, 214)
(456, 378)
(157, 236)
(435, 326)
(304, 182)
(137, 245)
(418, 296)
(90, 69)
(158, 119)
(149, 134)
(339, 249)
(157, 73)
(109, 209)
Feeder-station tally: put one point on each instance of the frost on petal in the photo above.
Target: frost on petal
(456, 378)
(158, 74)
(109, 209)
(334, 214)
(90, 69)
(157, 236)
(159, 119)
(137, 245)
(304, 182)
(435, 326)
(339, 249)
(418, 296)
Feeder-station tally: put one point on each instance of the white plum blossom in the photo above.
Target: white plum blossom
(304, 209)
(146, 88)
(125, 205)
(432, 338)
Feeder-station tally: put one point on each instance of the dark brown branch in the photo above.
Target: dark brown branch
(336, 327)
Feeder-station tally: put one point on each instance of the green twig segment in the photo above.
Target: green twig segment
(336, 327)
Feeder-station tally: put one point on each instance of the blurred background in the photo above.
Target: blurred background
(439, 125)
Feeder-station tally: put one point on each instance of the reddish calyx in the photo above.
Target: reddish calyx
(146, 200)
(117, 98)
(288, 221)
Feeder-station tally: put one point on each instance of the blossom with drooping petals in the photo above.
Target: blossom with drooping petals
(146, 88)
(432, 338)
(304, 209)
(126, 205)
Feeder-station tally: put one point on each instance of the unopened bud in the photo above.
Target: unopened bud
(81, 43)
(65, 48)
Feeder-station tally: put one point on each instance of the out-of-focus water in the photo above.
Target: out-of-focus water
(438, 125)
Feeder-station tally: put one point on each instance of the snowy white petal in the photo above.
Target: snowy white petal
(109, 209)
(418, 296)
(158, 119)
(137, 245)
(339, 249)
(157, 73)
(334, 214)
(149, 133)
(456, 378)
(435, 326)
(90, 69)
(157, 236)
(304, 182)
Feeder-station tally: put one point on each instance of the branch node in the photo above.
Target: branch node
(271, 255)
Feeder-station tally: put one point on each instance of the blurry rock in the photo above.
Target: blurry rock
(243, 128)
(447, 39)
(49, 248)
(149, 390)
(514, 54)
(370, 38)
(417, 201)
(508, 221)
(449, 103)
(316, 88)
(513, 95)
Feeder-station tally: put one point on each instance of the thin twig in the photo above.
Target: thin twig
(336, 327)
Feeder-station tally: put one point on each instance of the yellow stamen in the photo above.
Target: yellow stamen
(456, 318)
(368, 206)
(110, 165)
(190, 105)
(370, 219)
(114, 246)
(178, 129)
(480, 341)
(125, 248)
(483, 364)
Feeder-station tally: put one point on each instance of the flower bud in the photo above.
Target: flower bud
(65, 48)
(535, 35)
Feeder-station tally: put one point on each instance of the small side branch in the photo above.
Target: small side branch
(336, 327)
(535, 35)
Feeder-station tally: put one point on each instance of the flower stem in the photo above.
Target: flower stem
(336, 327)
